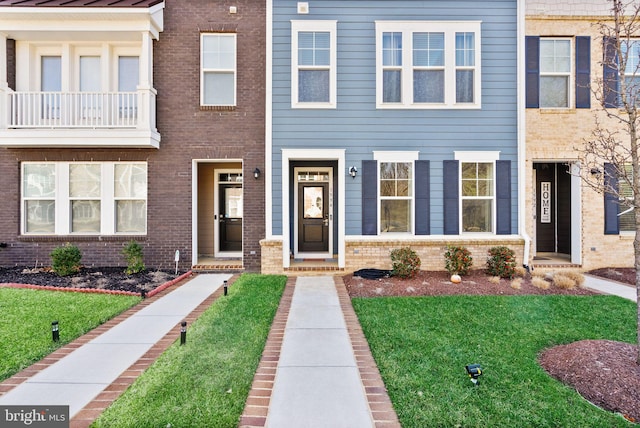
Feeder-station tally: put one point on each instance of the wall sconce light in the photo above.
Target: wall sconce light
(353, 171)
(256, 173)
(595, 171)
(474, 371)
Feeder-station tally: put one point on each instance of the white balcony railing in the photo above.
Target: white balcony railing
(73, 110)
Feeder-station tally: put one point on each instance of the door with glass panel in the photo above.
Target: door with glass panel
(229, 214)
(313, 213)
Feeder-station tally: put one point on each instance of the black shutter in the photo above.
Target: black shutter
(583, 72)
(451, 200)
(611, 206)
(369, 197)
(532, 66)
(503, 197)
(610, 73)
(423, 189)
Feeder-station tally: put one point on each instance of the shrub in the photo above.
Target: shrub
(516, 283)
(540, 283)
(406, 262)
(501, 262)
(66, 259)
(494, 280)
(458, 260)
(135, 258)
(577, 277)
(560, 280)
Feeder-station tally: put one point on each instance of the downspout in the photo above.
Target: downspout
(521, 135)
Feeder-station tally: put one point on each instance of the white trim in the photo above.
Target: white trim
(296, 252)
(479, 156)
(395, 156)
(216, 210)
(339, 194)
(194, 201)
(521, 134)
(268, 124)
(314, 26)
(449, 28)
(576, 213)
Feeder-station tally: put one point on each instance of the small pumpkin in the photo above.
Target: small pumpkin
(456, 279)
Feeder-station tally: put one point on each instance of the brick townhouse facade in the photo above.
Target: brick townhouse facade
(150, 129)
(563, 216)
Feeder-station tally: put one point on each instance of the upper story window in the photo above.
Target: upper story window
(85, 198)
(218, 69)
(423, 64)
(631, 52)
(558, 72)
(555, 73)
(313, 64)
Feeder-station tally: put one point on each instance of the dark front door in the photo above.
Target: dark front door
(230, 217)
(313, 217)
(553, 208)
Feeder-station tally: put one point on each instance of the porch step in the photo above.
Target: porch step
(217, 268)
(537, 265)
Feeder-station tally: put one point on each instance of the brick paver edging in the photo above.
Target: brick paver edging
(85, 417)
(257, 405)
(91, 411)
(384, 416)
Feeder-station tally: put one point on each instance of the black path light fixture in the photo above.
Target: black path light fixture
(225, 287)
(183, 332)
(474, 371)
(55, 331)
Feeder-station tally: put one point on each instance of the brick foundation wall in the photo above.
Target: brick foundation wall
(369, 253)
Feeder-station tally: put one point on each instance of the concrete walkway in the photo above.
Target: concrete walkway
(317, 381)
(80, 376)
(610, 287)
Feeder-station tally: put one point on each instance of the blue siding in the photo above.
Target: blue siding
(360, 128)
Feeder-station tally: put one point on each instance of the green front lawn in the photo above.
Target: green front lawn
(26, 317)
(422, 344)
(205, 383)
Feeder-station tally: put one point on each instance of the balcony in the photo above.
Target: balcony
(78, 119)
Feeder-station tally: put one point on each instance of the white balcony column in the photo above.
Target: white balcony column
(4, 84)
(146, 97)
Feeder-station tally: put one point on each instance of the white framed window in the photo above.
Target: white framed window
(313, 64)
(631, 51)
(428, 64)
(396, 180)
(84, 198)
(477, 191)
(218, 69)
(555, 73)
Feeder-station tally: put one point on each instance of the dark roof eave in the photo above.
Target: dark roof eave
(80, 3)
